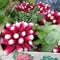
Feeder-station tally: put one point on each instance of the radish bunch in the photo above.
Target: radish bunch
(17, 36)
(53, 17)
(44, 9)
(48, 14)
(25, 7)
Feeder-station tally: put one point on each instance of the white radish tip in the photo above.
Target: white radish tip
(22, 7)
(41, 8)
(38, 6)
(27, 3)
(31, 37)
(12, 28)
(7, 36)
(46, 5)
(39, 2)
(19, 6)
(17, 24)
(59, 43)
(30, 43)
(44, 20)
(31, 6)
(54, 21)
(31, 31)
(5, 52)
(52, 12)
(25, 49)
(20, 50)
(16, 36)
(55, 50)
(31, 24)
(49, 11)
(20, 41)
(59, 13)
(26, 24)
(51, 17)
(7, 25)
(11, 41)
(23, 33)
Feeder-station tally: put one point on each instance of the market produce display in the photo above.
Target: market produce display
(31, 27)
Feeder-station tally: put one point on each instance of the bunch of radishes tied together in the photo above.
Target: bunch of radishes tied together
(17, 36)
(48, 14)
(44, 9)
(25, 7)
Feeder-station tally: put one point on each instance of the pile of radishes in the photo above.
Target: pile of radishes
(44, 9)
(17, 36)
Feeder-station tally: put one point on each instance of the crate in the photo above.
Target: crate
(35, 55)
